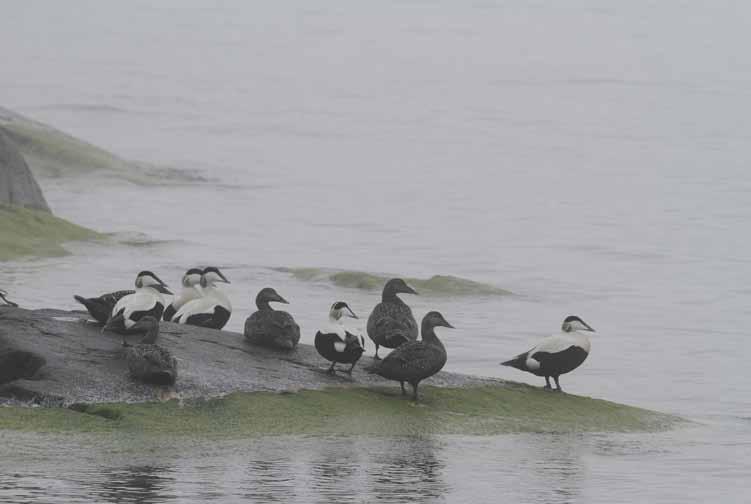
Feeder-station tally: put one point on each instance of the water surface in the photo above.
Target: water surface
(589, 157)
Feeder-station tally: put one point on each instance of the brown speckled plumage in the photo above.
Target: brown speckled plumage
(269, 327)
(391, 322)
(414, 361)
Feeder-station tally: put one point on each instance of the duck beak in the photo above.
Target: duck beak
(280, 299)
(163, 289)
(224, 278)
(410, 290)
(351, 313)
(446, 324)
(589, 328)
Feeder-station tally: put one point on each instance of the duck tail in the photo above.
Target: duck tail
(518, 362)
(81, 300)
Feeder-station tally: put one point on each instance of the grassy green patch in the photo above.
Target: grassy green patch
(446, 285)
(26, 232)
(51, 152)
(483, 410)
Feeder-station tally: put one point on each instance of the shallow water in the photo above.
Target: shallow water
(591, 158)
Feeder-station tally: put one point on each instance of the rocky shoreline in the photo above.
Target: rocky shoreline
(84, 365)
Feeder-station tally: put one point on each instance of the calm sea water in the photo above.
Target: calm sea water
(592, 158)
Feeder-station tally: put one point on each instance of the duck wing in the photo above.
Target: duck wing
(101, 307)
(413, 360)
(391, 324)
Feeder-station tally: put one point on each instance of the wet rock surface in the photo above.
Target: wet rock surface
(82, 365)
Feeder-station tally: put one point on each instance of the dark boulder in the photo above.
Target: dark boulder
(18, 364)
(17, 184)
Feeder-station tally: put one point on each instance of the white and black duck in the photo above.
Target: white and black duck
(5, 300)
(391, 323)
(212, 309)
(557, 354)
(190, 290)
(145, 300)
(101, 307)
(269, 327)
(147, 361)
(335, 343)
(414, 361)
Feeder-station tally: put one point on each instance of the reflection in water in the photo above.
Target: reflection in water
(524, 468)
(270, 477)
(334, 471)
(143, 484)
(407, 470)
(558, 467)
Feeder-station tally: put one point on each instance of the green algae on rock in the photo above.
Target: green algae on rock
(50, 152)
(27, 232)
(474, 410)
(437, 285)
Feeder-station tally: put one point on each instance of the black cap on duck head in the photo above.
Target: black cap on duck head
(339, 309)
(574, 323)
(435, 319)
(211, 274)
(268, 295)
(396, 286)
(192, 277)
(149, 279)
(2, 296)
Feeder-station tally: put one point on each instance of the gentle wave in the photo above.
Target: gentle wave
(132, 239)
(447, 285)
(86, 107)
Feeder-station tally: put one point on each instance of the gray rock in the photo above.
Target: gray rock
(17, 184)
(84, 365)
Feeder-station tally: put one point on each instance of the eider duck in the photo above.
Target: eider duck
(101, 307)
(5, 299)
(146, 300)
(148, 361)
(557, 354)
(414, 361)
(269, 327)
(212, 309)
(391, 323)
(335, 343)
(190, 291)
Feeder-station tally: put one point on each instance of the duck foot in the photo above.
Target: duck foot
(558, 385)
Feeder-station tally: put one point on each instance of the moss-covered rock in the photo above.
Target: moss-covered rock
(27, 232)
(438, 285)
(475, 410)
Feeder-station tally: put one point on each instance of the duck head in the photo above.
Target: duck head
(212, 275)
(396, 286)
(149, 279)
(341, 309)
(192, 277)
(574, 323)
(268, 295)
(434, 319)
